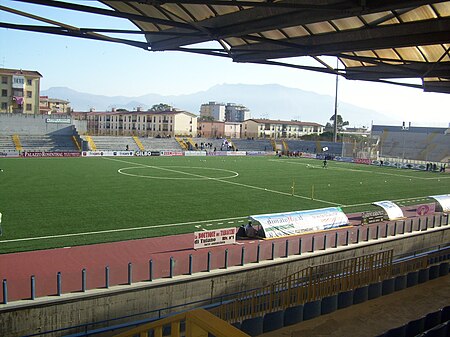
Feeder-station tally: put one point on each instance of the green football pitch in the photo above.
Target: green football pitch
(59, 202)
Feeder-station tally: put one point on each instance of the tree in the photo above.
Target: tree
(161, 107)
(340, 122)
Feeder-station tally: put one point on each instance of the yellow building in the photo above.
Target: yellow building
(19, 91)
(49, 106)
(142, 123)
(266, 128)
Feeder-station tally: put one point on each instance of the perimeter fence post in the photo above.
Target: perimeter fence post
(346, 237)
(386, 230)
(150, 270)
(190, 264)
(411, 224)
(107, 277)
(243, 256)
(312, 243)
(367, 233)
(171, 267)
(287, 248)
(226, 258)
(300, 246)
(59, 283)
(419, 226)
(273, 250)
(83, 280)
(5, 291)
(336, 239)
(130, 273)
(395, 229)
(377, 232)
(33, 287)
(258, 253)
(357, 235)
(325, 242)
(208, 262)
(403, 226)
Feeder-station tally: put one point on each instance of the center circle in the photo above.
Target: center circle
(189, 176)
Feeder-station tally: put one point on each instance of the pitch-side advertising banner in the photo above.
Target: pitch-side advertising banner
(195, 153)
(443, 200)
(292, 223)
(393, 211)
(225, 236)
(107, 153)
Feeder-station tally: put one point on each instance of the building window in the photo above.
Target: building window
(4, 92)
(29, 94)
(4, 105)
(29, 82)
(28, 107)
(4, 80)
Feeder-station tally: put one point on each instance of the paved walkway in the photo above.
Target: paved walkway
(376, 316)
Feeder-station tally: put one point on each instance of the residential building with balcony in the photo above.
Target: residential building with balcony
(266, 128)
(213, 110)
(236, 113)
(142, 123)
(19, 91)
(49, 106)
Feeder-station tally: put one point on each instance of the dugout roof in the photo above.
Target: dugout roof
(375, 40)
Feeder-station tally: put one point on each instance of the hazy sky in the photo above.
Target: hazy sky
(112, 69)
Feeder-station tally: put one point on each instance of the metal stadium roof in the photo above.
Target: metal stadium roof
(375, 40)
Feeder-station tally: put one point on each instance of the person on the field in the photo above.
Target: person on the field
(325, 163)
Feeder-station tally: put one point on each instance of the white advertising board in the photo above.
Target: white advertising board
(204, 239)
(443, 200)
(393, 211)
(299, 222)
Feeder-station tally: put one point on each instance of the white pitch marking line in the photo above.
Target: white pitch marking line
(230, 182)
(361, 171)
(118, 230)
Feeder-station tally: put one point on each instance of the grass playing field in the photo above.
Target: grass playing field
(58, 202)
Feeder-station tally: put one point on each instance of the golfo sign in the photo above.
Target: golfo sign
(216, 237)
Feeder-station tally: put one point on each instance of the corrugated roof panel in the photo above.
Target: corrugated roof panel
(234, 41)
(375, 17)
(418, 14)
(296, 31)
(320, 27)
(222, 10)
(175, 12)
(348, 23)
(350, 63)
(442, 8)
(410, 54)
(366, 53)
(274, 34)
(199, 12)
(388, 54)
(392, 21)
(434, 53)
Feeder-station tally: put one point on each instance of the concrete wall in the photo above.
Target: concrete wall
(23, 124)
(43, 314)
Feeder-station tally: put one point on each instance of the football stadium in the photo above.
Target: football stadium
(144, 223)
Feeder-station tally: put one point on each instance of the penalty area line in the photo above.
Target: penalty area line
(117, 230)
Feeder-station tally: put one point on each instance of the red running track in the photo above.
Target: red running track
(18, 268)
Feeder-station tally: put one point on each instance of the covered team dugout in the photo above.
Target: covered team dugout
(298, 222)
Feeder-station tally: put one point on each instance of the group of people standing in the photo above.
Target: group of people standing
(433, 167)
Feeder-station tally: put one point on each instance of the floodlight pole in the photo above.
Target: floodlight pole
(335, 105)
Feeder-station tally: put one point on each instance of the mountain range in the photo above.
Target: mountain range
(271, 101)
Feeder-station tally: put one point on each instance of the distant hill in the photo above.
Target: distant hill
(264, 101)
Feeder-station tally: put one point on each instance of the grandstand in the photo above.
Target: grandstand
(253, 145)
(111, 143)
(412, 143)
(160, 144)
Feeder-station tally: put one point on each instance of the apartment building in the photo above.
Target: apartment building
(53, 105)
(19, 91)
(142, 123)
(266, 128)
(230, 112)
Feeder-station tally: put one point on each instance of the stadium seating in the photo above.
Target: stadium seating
(48, 143)
(160, 144)
(6, 143)
(111, 143)
(253, 145)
